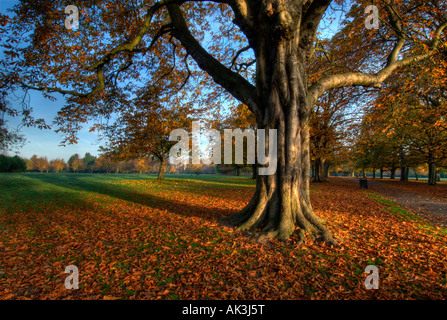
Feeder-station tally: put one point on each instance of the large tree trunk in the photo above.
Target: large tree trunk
(281, 203)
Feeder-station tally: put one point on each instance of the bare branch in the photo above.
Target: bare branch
(234, 83)
(238, 53)
(309, 23)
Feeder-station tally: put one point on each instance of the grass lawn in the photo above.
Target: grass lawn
(134, 237)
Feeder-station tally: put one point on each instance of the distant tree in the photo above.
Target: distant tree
(12, 164)
(104, 163)
(143, 132)
(89, 162)
(5, 163)
(17, 164)
(42, 164)
(29, 165)
(71, 159)
(77, 165)
(240, 117)
(413, 123)
(329, 122)
(58, 164)
(142, 165)
(34, 161)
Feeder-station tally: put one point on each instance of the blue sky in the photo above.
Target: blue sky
(46, 142)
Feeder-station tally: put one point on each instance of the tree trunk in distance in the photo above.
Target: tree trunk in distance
(319, 170)
(416, 174)
(431, 170)
(161, 170)
(393, 173)
(326, 169)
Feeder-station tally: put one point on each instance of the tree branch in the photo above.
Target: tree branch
(372, 80)
(234, 83)
(309, 24)
(238, 53)
(96, 89)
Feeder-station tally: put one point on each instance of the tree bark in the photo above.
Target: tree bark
(161, 169)
(381, 173)
(431, 170)
(319, 175)
(255, 171)
(403, 174)
(393, 173)
(326, 169)
(416, 174)
(281, 203)
(403, 166)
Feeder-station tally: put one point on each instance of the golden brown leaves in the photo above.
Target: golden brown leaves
(145, 239)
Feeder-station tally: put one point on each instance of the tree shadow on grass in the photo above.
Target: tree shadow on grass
(101, 185)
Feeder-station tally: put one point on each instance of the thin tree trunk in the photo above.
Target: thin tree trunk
(403, 174)
(431, 169)
(255, 171)
(381, 173)
(326, 169)
(161, 170)
(403, 166)
(374, 173)
(431, 173)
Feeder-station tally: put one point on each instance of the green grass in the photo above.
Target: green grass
(29, 190)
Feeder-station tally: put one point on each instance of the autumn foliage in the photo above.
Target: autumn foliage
(138, 238)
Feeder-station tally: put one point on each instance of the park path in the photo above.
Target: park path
(432, 207)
